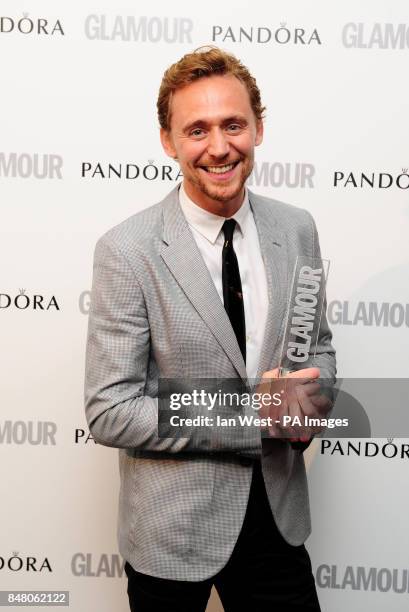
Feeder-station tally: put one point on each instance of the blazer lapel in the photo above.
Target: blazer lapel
(182, 256)
(273, 245)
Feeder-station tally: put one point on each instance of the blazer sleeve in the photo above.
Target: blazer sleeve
(118, 412)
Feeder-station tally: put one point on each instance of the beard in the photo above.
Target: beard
(225, 193)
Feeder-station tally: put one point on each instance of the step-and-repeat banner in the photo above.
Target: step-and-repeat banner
(80, 152)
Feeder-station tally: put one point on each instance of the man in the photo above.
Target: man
(196, 287)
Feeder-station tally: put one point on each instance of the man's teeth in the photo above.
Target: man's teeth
(219, 169)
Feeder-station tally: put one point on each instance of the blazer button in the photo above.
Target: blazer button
(246, 461)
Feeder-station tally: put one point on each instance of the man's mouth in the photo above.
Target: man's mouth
(220, 169)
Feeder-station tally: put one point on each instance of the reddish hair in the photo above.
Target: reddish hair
(204, 62)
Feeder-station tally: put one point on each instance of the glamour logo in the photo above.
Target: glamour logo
(376, 36)
(361, 578)
(369, 314)
(139, 29)
(149, 171)
(277, 174)
(82, 436)
(108, 566)
(23, 301)
(343, 448)
(15, 563)
(31, 165)
(28, 25)
(28, 432)
(304, 313)
(372, 180)
(263, 34)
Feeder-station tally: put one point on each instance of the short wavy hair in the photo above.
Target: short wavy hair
(204, 62)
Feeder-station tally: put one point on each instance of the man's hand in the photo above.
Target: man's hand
(300, 398)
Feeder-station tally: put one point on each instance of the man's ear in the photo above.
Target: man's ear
(259, 132)
(167, 143)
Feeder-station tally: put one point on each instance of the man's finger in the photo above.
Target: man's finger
(307, 373)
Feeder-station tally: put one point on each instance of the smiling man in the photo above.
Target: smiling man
(212, 131)
(196, 287)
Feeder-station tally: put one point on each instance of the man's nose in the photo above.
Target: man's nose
(218, 145)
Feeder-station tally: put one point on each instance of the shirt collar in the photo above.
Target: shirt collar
(208, 224)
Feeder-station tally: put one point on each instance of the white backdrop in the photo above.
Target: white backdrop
(78, 93)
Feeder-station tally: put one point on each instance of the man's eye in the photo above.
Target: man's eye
(234, 127)
(196, 132)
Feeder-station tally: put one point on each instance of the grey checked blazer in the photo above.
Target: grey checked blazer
(155, 312)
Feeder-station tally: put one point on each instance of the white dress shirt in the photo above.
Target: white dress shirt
(207, 232)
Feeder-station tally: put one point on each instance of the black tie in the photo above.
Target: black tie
(232, 293)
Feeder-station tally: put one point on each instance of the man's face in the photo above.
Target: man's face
(212, 134)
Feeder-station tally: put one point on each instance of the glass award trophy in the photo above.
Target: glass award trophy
(303, 321)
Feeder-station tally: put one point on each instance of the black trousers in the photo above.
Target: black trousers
(264, 572)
